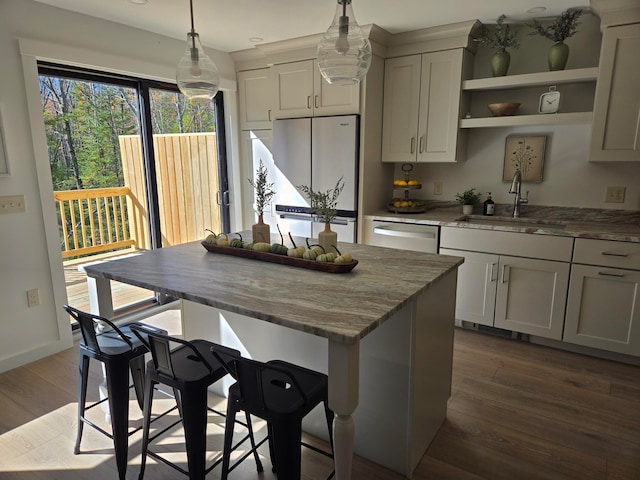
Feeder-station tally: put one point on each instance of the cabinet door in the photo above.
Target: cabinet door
(531, 296)
(603, 310)
(334, 99)
(401, 106)
(477, 280)
(616, 116)
(293, 89)
(256, 93)
(440, 89)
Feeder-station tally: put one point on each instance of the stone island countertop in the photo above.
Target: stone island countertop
(341, 307)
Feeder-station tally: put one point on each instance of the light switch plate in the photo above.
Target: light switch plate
(615, 194)
(12, 204)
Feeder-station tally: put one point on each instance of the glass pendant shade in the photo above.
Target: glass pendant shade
(344, 53)
(197, 75)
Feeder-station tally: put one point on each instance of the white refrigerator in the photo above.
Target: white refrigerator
(315, 152)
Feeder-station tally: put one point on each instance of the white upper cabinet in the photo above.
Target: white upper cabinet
(422, 108)
(300, 91)
(616, 122)
(256, 97)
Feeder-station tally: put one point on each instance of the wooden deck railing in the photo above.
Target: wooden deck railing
(94, 220)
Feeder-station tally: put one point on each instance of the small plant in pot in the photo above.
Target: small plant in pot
(468, 199)
(264, 192)
(499, 39)
(563, 27)
(323, 206)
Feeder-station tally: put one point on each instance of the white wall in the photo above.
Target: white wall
(26, 259)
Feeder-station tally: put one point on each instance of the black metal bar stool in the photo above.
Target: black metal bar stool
(282, 394)
(121, 352)
(190, 368)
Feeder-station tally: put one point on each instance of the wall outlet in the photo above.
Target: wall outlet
(615, 194)
(33, 297)
(437, 188)
(12, 204)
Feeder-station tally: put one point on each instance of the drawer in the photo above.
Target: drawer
(547, 247)
(607, 253)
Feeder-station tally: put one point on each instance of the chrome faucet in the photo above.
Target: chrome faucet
(516, 188)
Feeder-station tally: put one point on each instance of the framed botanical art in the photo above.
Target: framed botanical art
(524, 153)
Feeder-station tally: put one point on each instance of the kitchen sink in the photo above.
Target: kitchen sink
(514, 222)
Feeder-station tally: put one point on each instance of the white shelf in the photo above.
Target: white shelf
(533, 79)
(524, 120)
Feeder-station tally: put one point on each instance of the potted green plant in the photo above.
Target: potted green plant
(264, 192)
(499, 39)
(323, 206)
(562, 27)
(468, 199)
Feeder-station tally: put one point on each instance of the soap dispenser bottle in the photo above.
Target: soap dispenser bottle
(489, 206)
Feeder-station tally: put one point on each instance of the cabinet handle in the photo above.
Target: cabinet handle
(505, 273)
(611, 274)
(421, 143)
(315, 101)
(269, 114)
(309, 102)
(413, 144)
(494, 272)
(615, 254)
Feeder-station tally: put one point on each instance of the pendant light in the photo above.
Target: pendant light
(344, 54)
(197, 75)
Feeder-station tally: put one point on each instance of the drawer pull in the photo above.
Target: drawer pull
(611, 274)
(615, 254)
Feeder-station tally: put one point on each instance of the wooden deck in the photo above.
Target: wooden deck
(77, 292)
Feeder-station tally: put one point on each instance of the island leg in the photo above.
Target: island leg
(343, 400)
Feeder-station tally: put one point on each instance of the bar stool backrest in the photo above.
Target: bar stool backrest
(87, 322)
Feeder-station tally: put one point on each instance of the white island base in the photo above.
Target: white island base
(397, 378)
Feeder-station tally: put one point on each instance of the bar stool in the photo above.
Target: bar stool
(282, 394)
(189, 369)
(120, 352)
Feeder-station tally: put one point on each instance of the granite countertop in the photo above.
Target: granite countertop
(618, 225)
(341, 307)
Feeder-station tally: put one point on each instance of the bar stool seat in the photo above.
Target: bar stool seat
(190, 368)
(121, 353)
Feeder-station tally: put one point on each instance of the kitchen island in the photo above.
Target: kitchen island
(382, 332)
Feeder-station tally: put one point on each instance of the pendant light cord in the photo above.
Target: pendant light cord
(193, 29)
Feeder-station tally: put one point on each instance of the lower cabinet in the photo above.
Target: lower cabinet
(603, 309)
(520, 294)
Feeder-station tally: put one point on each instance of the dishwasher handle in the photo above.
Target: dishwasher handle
(402, 233)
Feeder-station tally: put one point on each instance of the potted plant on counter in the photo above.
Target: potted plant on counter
(264, 192)
(562, 28)
(468, 199)
(323, 206)
(501, 38)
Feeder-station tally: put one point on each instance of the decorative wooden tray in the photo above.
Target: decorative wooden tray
(282, 259)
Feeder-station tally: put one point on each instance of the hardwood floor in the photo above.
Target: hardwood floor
(517, 411)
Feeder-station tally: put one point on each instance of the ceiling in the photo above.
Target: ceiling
(228, 25)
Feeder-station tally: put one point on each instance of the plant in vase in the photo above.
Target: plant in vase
(264, 192)
(323, 206)
(499, 39)
(468, 199)
(563, 27)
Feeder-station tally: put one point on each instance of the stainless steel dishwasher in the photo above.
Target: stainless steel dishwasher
(405, 236)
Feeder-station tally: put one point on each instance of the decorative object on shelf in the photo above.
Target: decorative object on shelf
(524, 153)
(344, 53)
(468, 199)
(4, 165)
(197, 75)
(500, 39)
(264, 192)
(549, 101)
(563, 27)
(503, 109)
(323, 206)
